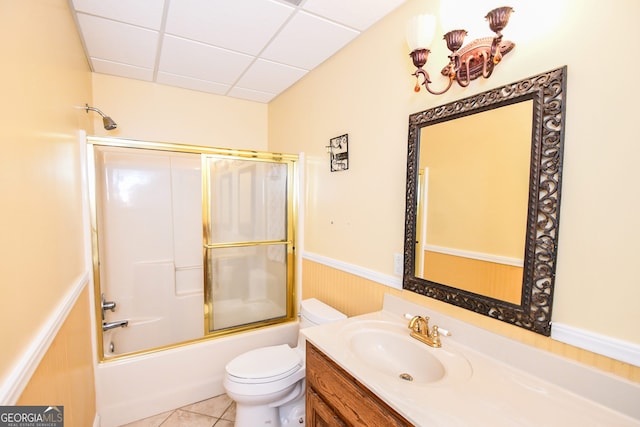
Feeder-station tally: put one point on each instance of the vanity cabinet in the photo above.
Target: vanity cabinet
(335, 398)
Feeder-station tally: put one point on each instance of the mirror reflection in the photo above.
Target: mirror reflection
(474, 182)
(483, 199)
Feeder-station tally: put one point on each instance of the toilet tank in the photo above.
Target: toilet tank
(315, 312)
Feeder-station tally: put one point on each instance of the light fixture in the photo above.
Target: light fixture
(466, 63)
(107, 121)
(338, 150)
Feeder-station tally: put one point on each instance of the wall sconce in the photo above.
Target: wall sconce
(466, 63)
(338, 150)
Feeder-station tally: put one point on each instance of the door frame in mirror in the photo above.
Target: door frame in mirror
(548, 93)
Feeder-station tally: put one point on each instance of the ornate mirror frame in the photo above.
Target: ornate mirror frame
(548, 93)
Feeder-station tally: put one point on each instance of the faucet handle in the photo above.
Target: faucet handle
(435, 336)
(443, 332)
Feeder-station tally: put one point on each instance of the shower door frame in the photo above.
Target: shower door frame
(289, 241)
(291, 211)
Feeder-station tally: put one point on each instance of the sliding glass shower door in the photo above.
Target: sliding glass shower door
(248, 240)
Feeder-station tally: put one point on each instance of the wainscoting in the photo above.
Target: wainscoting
(491, 278)
(64, 376)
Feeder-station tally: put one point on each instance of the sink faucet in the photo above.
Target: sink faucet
(420, 330)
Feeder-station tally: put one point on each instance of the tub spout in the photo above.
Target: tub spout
(112, 325)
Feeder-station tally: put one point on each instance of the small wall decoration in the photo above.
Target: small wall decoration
(338, 150)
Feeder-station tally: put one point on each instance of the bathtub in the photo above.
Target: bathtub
(140, 386)
(144, 333)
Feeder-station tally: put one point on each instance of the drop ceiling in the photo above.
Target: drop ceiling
(248, 49)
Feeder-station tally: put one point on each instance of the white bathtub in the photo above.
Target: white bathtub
(143, 333)
(140, 386)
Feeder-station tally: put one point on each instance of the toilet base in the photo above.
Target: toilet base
(292, 414)
(281, 409)
(289, 415)
(256, 416)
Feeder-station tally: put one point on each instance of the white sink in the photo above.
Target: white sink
(387, 350)
(393, 355)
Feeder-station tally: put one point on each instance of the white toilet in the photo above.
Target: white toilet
(267, 383)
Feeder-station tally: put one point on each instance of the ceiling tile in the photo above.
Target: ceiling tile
(245, 26)
(115, 41)
(189, 83)
(145, 13)
(307, 40)
(359, 14)
(201, 61)
(251, 95)
(122, 70)
(270, 76)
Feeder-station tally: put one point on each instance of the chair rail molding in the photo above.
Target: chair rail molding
(375, 276)
(614, 348)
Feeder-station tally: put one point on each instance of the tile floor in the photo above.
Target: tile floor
(219, 411)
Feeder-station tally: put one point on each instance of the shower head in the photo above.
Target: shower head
(107, 121)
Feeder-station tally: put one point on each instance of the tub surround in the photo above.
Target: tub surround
(511, 382)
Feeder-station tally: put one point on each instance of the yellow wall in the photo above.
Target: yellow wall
(44, 79)
(366, 91)
(153, 112)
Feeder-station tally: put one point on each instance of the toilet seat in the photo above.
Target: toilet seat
(264, 365)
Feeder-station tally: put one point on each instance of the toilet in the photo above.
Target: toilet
(267, 383)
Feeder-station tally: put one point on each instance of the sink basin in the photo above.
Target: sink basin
(387, 350)
(395, 355)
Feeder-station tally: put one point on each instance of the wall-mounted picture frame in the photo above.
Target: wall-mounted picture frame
(339, 153)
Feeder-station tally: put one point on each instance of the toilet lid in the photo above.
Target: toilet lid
(318, 312)
(264, 364)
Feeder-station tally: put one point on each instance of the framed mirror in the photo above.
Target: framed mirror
(483, 200)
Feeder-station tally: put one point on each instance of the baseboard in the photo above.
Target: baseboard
(26, 365)
(383, 279)
(624, 351)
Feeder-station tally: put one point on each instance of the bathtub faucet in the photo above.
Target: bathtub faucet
(112, 325)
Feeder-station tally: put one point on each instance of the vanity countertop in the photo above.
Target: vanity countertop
(496, 393)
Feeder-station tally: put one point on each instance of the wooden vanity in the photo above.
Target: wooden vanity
(335, 398)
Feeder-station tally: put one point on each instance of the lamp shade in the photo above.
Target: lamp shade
(420, 31)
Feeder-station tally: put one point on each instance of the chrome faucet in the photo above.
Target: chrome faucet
(420, 330)
(112, 325)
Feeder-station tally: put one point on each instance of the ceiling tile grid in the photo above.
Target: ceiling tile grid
(248, 49)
